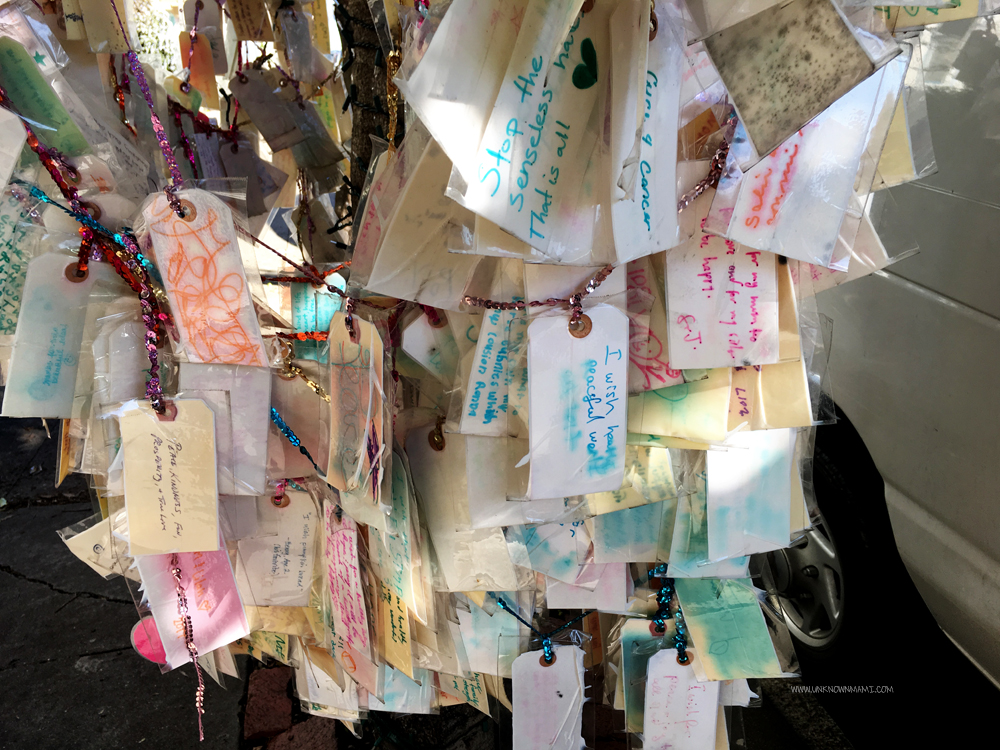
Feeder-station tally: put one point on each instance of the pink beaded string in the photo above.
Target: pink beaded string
(182, 610)
(176, 179)
(193, 37)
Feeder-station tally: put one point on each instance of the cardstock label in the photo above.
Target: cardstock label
(722, 304)
(578, 388)
(350, 615)
(680, 712)
(15, 251)
(202, 270)
(170, 484)
(356, 440)
(548, 701)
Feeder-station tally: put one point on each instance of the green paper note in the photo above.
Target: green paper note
(727, 628)
(35, 100)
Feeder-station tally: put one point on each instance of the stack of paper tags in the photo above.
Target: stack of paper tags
(496, 416)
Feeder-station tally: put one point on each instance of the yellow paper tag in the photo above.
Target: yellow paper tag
(250, 20)
(170, 482)
(202, 67)
(65, 453)
(103, 31)
(395, 623)
(264, 642)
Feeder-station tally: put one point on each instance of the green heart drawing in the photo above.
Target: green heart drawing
(585, 74)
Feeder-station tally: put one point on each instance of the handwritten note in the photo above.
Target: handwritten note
(356, 438)
(350, 615)
(538, 120)
(395, 625)
(276, 567)
(214, 605)
(395, 554)
(577, 388)
(680, 711)
(170, 483)
(722, 304)
(469, 689)
(548, 701)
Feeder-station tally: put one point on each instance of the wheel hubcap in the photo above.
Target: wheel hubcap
(810, 587)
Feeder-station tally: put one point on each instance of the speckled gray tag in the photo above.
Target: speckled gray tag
(784, 66)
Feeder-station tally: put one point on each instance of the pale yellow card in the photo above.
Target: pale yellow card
(697, 411)
(396, 630)
(898, 17)
(171, 495)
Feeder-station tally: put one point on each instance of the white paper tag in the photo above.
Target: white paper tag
(485, 411)
(680, 711)
(277, 569)
(548, 701)
(722, 305)
(578, 388)
(42, 375)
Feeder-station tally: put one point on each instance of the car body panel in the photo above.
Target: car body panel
(915, 361)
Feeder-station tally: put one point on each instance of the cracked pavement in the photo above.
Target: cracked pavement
(64, 631)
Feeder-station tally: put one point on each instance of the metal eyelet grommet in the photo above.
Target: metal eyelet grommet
(441, 322)
(654, 24)
(75, 274)
(581, 328)
(656, 633)
(281, 502)
(588, 6)
(684, 661)
(92, 209)
(541, 660)
(189, 212)
(169, 412)
(436, 439)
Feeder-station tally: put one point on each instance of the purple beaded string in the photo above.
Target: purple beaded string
(176, 179)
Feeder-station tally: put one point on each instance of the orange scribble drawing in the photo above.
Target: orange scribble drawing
(203, 275)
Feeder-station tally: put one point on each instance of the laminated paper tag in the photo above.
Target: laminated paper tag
(433, 347)
(722, 304)
(250, 20)
(170, 486)
(101, 23)
(468, 689)
(43, 367)
(727, 627)
(276, 569)
(680, 712)
(270, 114)
(202, 268)
(485, 411)
(36, 101)
(786, 65)
(395, 624)
(350, 614)
(548, 701)
(202, 67)
(649, 361)
(209, 26)
(578, 388)
(356, 439)
(214, 604)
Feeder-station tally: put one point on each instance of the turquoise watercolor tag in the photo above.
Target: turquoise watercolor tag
(577, 389)
(727, 627)
(42, 376)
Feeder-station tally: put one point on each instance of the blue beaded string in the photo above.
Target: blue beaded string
(663, 597)
(548, 653)
(292, 437)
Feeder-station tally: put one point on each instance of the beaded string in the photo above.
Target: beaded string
(658, 626)
(575, 301)
(138, 266)
(303, 279)
(711, 180)
(548, 654)
(200, 122)
(193, 37)
(52, 161)
(292, 437)
(176, 179)
(292, 370)
(185, 141)
(182, 610)
(119, 92)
